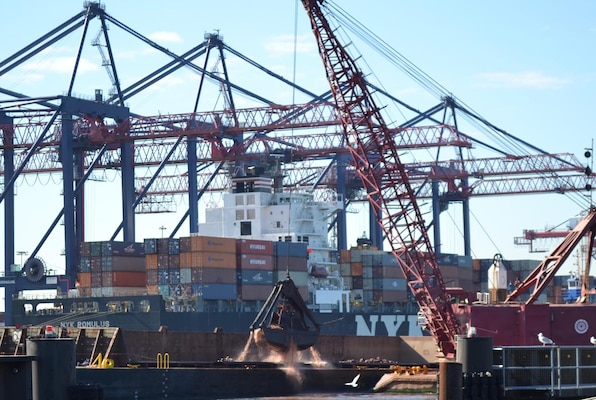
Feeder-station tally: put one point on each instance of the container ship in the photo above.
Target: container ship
(258, 236)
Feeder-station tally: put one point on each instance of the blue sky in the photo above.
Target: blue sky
(528, 67)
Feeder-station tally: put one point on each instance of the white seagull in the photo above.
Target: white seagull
(354, 382)
(544, 340)
(593, 340)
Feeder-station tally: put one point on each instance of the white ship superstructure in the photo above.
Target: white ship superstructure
(257, 208)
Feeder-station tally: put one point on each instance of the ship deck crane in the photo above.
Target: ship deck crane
(377, 163)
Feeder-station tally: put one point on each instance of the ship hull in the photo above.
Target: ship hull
(74, 313)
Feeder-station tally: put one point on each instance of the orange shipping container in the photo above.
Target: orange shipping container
(212, 244)
(344, 256)
(84, 279)
(213, 260)
(356, 268)
(151, 261)
(185, 260)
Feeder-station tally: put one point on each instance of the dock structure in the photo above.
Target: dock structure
(555, 371)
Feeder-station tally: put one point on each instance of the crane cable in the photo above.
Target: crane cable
(510, 143)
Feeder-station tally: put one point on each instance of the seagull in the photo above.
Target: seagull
(544, 340)
(593, 340)
(354, 382)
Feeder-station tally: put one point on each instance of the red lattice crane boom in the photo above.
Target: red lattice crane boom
(376, 160)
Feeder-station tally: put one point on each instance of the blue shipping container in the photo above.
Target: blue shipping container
(215, 291)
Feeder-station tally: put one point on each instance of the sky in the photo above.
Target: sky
(527, 67)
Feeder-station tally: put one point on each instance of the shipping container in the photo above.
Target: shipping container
(257, 277)
(162, 260)
(127, 263)
(213, 275)
(387, 284)
(185, 245)
(162, 246)
(356, 269)
(390, 296)
(447, 259)
(212, 244)
(174, 261)
(115, 248)
(185, 275)
(151, 261)
(173, 246)
(96, 279)
(150, 246)
(185, 259)
(164, 290)
(129, 278)
(208, 260)
(464, 261)
(215, 291)
(253, 246)
(152, 277)
(84, 279)
(255, 292)
(290, 249)
(85, 265)
(284, 263)
(387, 272)
(256, 261)
(357, 282)
(85, 249)
(344, 256)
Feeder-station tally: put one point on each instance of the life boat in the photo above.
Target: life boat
(284, 322)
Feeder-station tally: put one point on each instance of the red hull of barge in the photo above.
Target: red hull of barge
(519, 324)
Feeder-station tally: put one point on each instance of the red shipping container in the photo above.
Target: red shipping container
(133, 279)
(256, 261)
(253, 246)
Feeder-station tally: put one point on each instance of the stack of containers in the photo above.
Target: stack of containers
(162, 263)
(212, 267)
(292, 258)
(151, 262)
(388, 282)
(256, 269)
(112, 269)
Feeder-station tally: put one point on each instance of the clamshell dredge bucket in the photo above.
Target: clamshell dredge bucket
(285, 322)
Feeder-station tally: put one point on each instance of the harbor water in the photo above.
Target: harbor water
(350, 396)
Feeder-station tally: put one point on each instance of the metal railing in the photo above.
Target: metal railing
(557, 370)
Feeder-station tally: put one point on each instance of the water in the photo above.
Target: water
(251, 349)
(350, 396)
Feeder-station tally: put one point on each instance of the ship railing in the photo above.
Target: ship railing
(560, 371)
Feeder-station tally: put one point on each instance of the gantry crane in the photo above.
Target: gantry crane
(41, 133)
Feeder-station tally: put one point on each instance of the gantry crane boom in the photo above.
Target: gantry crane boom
(376, 160)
